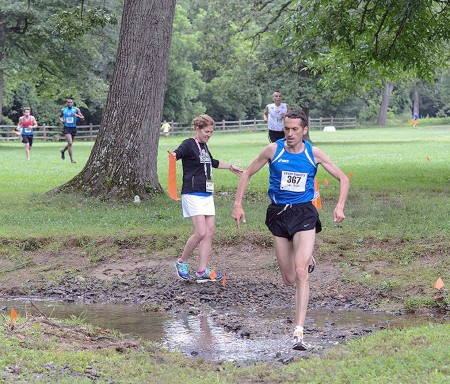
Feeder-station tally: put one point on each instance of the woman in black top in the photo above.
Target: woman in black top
(197, 197)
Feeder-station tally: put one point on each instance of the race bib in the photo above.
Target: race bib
(28, 130)
(293, 181)
(69, 120)
(209, 186)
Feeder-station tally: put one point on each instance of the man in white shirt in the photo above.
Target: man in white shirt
(274, 117)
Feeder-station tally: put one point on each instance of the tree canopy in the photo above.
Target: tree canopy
(331, 57)
(354, 43)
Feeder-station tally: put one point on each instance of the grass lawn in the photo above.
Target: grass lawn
(397, 213)
(399, 184)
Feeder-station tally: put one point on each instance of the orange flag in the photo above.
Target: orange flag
(316, 200)
(428, 158)
(172, 178)
(439, 284)
(13, 316)
(350, 175)
(325, 181)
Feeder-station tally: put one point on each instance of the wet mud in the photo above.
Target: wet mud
(253, 304)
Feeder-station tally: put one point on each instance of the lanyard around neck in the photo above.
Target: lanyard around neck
(200, 155)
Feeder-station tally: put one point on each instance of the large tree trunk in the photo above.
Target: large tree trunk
(416, 99)
(1, 90)
(2, 47)
(123, 161)
(382, 117)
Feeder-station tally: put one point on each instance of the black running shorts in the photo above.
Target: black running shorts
(27, 139)
(286, 220)
(275, 135)
(70, 131)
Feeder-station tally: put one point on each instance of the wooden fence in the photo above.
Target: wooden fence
(89, 132)
(337, 122)
(51, 133)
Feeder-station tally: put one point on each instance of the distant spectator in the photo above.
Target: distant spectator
(166, 128)
(415, 120)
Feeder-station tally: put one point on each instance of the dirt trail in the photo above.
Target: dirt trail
(253, 284)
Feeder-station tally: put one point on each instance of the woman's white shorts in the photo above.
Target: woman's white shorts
(194, 205)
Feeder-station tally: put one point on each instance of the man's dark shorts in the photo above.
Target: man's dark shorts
(275, 135)
(70, 131)
(27, 139)
(286, 220)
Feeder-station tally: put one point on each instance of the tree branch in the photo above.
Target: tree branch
(276, 17)
(18, 28)
(377, 33)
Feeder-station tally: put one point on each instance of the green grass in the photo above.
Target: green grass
(394, 187)
(41, 354)
(398, 201)
(397, 216)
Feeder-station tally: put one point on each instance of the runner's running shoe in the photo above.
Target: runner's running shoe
(208, 275)
(311, 266)
(299, 344)
(63, 156)
(182, 270)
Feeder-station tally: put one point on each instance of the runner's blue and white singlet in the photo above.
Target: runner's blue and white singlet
(70, 120)
(292, 175)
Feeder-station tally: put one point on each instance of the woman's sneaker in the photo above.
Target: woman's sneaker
(182, 270)
(299, 344)
(208, 275)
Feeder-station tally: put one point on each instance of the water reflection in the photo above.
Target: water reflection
(198, 335)
(129, 319)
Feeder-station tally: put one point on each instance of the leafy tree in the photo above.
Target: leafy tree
(443, 89)
(123, 161)
(184, 83)
(35, 55)
(371, 40)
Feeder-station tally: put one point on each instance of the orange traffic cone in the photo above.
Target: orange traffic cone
(316, 201)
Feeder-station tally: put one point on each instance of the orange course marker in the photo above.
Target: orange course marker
(224, 280)
(439, 284)
(428, 158)
(172, 178)
(350, 175)
(13, 316)
(316, 200)
(212, 274)
(325, 181)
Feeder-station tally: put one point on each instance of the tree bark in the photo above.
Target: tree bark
(416, 99)
(123, 161)
(382, 117)
(2, 56)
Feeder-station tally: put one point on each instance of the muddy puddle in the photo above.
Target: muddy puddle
(198, 335)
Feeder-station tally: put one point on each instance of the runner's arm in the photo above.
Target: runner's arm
(266, 114)
(19, 124)
(344, 184)
(262, 159)
(232, 168)
(79, 114)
